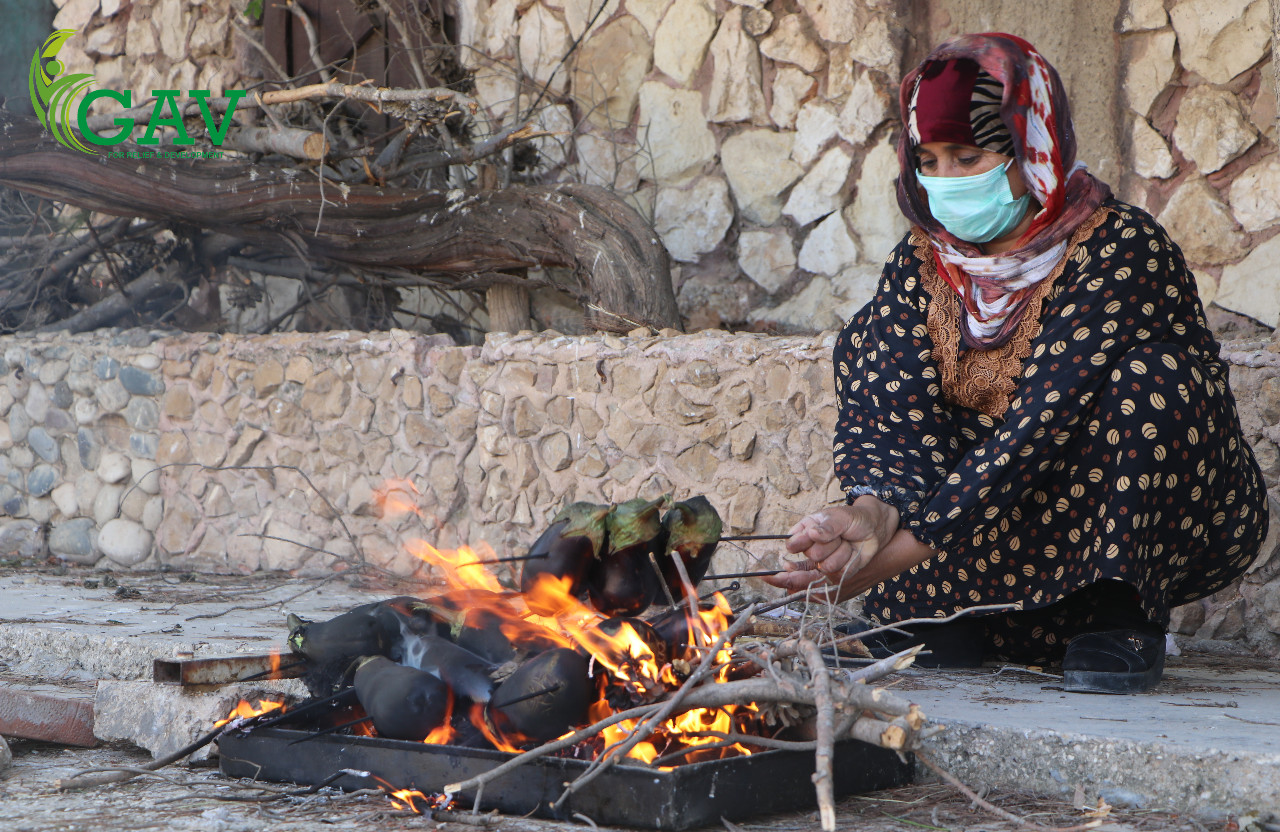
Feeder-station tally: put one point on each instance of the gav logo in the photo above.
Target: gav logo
(53, 99)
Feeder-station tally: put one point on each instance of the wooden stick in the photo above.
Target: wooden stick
(955, 782)
(824, 728)
(84, 781)
(885, 667)
(368, 94)
(294, 142)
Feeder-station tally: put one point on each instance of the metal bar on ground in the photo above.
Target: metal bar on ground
(226, 670)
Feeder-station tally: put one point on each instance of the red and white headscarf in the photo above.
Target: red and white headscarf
(995, 289)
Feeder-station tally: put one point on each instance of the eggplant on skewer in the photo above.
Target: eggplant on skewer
(463, 671)
(647, 634)
(545, 697)
(693, 529)
(377, 629)
(676, 628)
(367, 630)
(404, 703)
(566, 550)
(623, 581)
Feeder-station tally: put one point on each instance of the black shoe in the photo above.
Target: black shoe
(958, 643)
(1114, 661)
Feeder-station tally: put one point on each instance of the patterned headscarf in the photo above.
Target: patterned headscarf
(955, 101)
(995, 289)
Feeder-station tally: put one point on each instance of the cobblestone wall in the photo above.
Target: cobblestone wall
(272, 451)
(264, 440)
(758, 134)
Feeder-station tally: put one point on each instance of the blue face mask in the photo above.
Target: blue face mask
(975, 208)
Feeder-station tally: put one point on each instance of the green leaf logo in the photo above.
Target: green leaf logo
(52, 96)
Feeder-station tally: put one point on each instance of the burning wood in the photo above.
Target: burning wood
(566, 667)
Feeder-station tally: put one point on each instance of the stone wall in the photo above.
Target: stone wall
(758, 134)
(312, 438)
(291, 452)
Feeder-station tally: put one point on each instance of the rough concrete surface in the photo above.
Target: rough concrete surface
(55, 625)
(1203, 742)
(1206, 741)
(201, 800)
(164, 718)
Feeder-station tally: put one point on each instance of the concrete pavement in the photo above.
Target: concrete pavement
(1206, 741)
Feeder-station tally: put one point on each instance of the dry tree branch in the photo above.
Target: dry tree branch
(246, 607)
(369, 94)
(396, 22)
(602, 764)
(885, 667)
(824, 729)
(85, 780)
(313, 41)
(955, 782)
(262, 50)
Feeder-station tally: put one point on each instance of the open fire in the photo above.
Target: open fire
(479, 665)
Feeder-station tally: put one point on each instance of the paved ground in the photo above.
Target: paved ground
(200, 800)
(1206, 742)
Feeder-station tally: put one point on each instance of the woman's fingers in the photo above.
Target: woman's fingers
(794, 581)
(820, 527)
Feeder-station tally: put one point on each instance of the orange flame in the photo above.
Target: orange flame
(443, 733)
(549, 613)
(393, 498)
(409, 798)
(243, 710)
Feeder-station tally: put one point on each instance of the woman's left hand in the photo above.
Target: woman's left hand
(837, 542)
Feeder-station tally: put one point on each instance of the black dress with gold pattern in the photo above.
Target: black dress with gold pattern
(1100, 443)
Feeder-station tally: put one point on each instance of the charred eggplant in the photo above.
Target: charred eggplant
(368, 630)
(647, 634)
(404, 703)
(570, 545)
(545, 697)
(693, 529)
(623, 582)
(463, 671)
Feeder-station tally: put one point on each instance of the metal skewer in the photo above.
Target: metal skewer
(509, 559)
(728, 575)
(756, 537)
(333, 729)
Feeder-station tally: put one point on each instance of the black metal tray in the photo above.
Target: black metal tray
(687, 796)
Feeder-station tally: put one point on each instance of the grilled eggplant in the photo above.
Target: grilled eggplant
(545, 697)
(404, 703)
(574, 540)
(368, 630)
(623, 582)
(463, 671)
(647, 634)
(693, 530)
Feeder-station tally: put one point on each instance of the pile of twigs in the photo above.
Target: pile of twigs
(792, 673)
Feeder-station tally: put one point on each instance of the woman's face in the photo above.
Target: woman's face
(948, 159)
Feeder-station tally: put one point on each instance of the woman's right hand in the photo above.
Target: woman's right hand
(837, 542)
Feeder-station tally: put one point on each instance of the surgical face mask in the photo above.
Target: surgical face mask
(975, 208)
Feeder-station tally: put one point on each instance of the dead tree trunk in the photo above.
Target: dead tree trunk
(622, 269)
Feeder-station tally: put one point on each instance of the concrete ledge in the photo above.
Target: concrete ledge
(1205, 742)
(164, 718)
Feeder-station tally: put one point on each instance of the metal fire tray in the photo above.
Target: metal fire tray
(684, 797)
